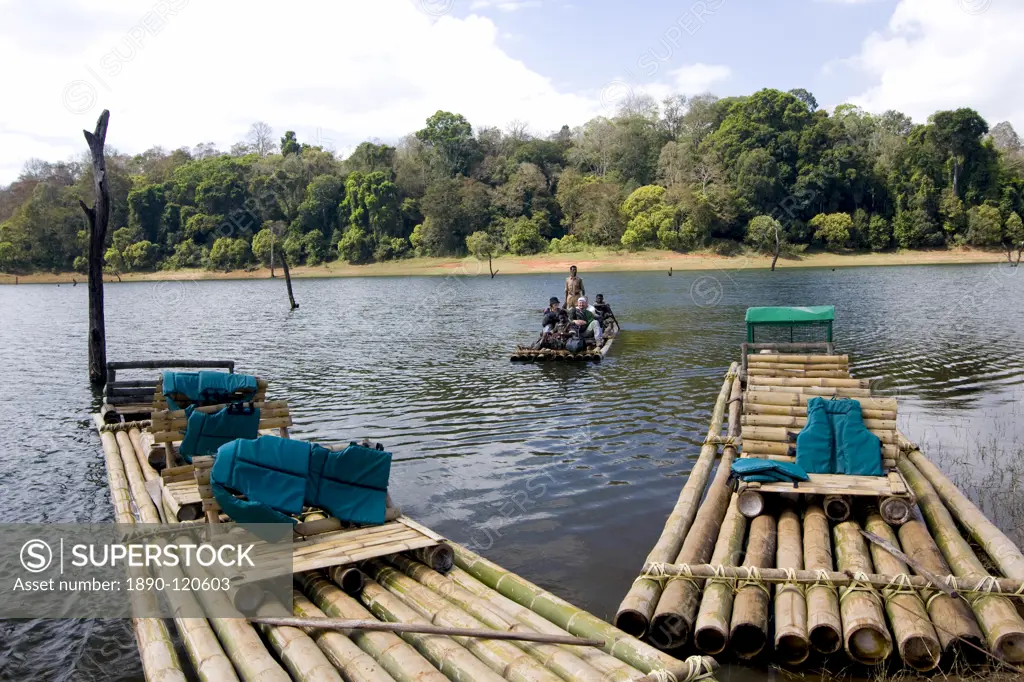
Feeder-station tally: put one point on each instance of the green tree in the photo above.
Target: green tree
(832, 229)
(649, 218)
(523, 234)
(879, 233)
(449, 138)
(355, 246)
(984, 226)
(765, 234)
(481, 244)
(141, 255)
(1013, 237)
(290, 145)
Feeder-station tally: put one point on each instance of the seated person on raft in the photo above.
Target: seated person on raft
(554, 325)
(603, 310)
(585, 321)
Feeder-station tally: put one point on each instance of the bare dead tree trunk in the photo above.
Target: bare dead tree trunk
(98, 216)
(288, 281)
(778, 247)
(490, 267)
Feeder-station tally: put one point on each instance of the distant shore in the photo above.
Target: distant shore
(587, 261)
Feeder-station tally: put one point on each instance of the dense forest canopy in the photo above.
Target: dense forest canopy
(686, 174)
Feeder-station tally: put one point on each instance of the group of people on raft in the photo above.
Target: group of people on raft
(571, 326)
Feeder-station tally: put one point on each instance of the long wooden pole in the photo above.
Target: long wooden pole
(380, 626)
(637, 609)
(98, 217)
(677, 608)
(791, 642)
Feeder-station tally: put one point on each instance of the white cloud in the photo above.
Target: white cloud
(353, 70)
(849, 2)
(943, 55)
(693, 79)
(504, 5)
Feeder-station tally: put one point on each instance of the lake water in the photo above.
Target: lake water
(562, 473)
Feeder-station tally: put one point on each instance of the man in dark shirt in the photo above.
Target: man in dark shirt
(604, 311)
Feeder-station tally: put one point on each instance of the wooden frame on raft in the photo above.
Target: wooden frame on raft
(446, 601)
(912, 587)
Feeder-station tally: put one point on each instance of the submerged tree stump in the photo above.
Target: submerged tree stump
(99, 217)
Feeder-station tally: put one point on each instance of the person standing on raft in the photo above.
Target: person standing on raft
(573, 288)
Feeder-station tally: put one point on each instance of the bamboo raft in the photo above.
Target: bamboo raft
(592, 354)
(414, 606)
(859, 570)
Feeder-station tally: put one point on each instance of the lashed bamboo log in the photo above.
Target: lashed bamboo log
(989, 585)
(997, 545)
(824, 626)
(800, 422)
(677, 608)
(612, 668)
(628, 649)
(814, 391)
(136, 483)
(791, 643)
(711, 631)
(999, 620)
(837, 508)
(916, 639)
(637, 608)
(887, 463)
(357, 665)
(390, 651)
(803, 373)
(770, 396)
(797, 357)
(554, 658)
(787, 364)
(953, 617)
(141, 447)
(748, 630)
(503, 657)
(786, 410)
(451, 658)
(865, 636)
(156, 649)
(296, 649)
(175, 436)
(753, 445)
(778, 434)
(757, 382)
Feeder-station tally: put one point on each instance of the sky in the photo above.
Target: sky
(179, 72)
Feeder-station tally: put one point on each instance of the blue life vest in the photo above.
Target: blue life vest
(208, 388)
(835, 440)
(280, 475)
(204, 433)
(752, 469)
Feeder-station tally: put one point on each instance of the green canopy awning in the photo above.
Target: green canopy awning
(796, 315)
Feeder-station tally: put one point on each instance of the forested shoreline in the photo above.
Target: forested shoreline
(766, 172)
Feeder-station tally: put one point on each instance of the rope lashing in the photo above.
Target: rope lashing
(753, 579)
(900, 584)
(126, 426)
(861, 584)
(792, 585)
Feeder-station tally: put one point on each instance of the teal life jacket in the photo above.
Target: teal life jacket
(204, 433)
(280, 475)
(752, 469)
(208, 388)
(835, 440)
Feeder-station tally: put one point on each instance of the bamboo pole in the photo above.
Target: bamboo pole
(390, 651)
(788, 449)
(711, 631)
(148, 472)
(622, 646)
(786, 410)
(637, 609)
(999, 620)
(555, 658)
(451, 658)
(996, 544)
(791, 643)
(796, 357)
(768, 396)
(757, 382)
(952, 617)
(355, 664)
(160, 662)
(673, 618)
(915, 637)
(780, 434)
(612, 668)
(136, 483)
(865, 636)
(800, 422)
(296, 649)
(814, 391)
(824, 626)
(502, 657)
(748, 630)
